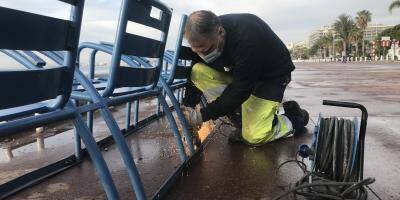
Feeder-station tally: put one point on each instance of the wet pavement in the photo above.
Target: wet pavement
(155, 154)
(227, 171)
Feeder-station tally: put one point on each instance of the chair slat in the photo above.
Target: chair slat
(158, 4)
(72, 2)
(20, 88)
(142, 46)
(140, 13)
(135, 77)
(27, 31)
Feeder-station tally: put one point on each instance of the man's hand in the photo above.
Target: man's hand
(193, 118)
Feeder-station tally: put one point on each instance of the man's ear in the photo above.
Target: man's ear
(221, 31)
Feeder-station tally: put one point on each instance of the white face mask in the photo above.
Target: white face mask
(211, 56)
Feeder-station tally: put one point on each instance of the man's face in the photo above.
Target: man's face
(203, 45)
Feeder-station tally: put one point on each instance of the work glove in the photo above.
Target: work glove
(193, 117)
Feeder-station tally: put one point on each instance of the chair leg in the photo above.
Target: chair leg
(125, 153)
(128, 116)
(182, 94)
(90, 120)
(203, 101)
(119, 139)
(181, 117)
(178, 95)
(135, 113)
(174, 127)
(77, 142)
(158, 108)
(97, 159)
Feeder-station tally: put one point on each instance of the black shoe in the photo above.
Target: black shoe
(292, 109)
(303, 130)
(236, 137)
(305, 116)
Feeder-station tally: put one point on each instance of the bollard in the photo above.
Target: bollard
(9, 154)
(39, 138)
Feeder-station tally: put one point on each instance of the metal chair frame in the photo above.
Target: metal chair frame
(53, 103)
(107, 97)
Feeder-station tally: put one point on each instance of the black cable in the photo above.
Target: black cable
(366, 181)
(335, 173)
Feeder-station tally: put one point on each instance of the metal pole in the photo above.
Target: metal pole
(128, 115)
(135, 113)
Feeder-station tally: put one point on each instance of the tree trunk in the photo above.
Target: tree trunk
(344, 48)
(357, 50)
(363, 48)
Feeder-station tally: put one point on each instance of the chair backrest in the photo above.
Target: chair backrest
(180, 58)
(29, 31)
(138, 11)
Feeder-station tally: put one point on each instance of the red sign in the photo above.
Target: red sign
(385, 43)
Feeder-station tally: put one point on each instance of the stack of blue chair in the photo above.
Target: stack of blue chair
(65, 92)
(26, 92)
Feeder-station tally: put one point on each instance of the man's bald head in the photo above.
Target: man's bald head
(202, 24)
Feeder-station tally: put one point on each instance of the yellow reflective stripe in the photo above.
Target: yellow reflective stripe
(283, 128)
(257, 121)
(206, 78)
(257, 118)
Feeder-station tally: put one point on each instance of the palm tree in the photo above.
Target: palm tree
(325, 43)
(393, 5)
(356, 36)
(343, 27)
(316, 47)
(362, 19)
(329, 41)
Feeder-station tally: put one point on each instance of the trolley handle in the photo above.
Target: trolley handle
(364, 115)
(363, 126)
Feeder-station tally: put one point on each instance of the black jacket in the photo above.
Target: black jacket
(253, 53)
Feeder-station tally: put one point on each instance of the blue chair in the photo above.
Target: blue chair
(100, 83)
(43, 90)
(138, 80)
(170, 80)
(129, 83)
(175, 75)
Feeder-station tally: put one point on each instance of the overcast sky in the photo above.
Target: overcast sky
(292, 20)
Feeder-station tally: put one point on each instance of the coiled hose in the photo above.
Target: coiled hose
(336, 170)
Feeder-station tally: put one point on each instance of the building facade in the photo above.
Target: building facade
(373, 30)
(316, 34)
